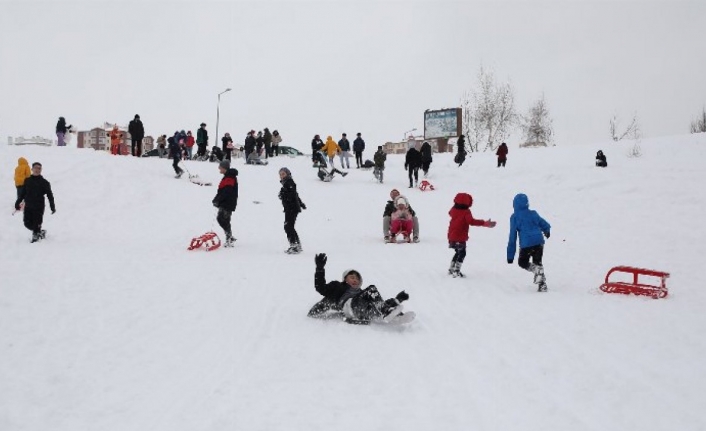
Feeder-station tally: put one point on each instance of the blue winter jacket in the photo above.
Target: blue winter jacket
(527, 223)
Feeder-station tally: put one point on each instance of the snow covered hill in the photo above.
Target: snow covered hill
(111, 324)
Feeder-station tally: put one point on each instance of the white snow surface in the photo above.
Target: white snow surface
(111, 324)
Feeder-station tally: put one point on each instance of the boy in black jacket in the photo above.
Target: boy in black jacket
(358, 306)
(32, 193)
(293, 205)
(226, 199)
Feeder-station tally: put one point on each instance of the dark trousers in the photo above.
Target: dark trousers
(535, 252)
(413, 171)
(33, 219)
(425, 166)
(366, 305)
(175, 165)
(358, 158)
(275, 149)
(202, 150)
(136, 147)
(268, 151)
(290, 218)
(501, 162)
(223, 219)
(460, 251)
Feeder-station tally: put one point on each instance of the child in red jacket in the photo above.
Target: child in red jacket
(461, 220)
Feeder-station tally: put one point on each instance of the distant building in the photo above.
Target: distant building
(34, 140)
(437, 145)
(98, 138)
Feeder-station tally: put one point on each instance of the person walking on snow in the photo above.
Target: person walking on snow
(22, 172)
(532, 229)
(61, 130)
(460, 151)
(412, 163)
(226, 199)
(175, 154)
(293, 205)
(345, 153)
(116, 139)
(461, 220)
(137, 133)
(379, 159)
(426, 157)
(358, 306)
(358, 148)
(32, 193)
(331, 148)
(502, 154)
(227, 143)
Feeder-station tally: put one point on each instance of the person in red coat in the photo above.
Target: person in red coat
(502, 154)
(461, 220)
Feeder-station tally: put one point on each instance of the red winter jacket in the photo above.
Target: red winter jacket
(461, 218)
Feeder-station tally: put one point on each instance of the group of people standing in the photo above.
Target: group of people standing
(263, 144)
(342, 149)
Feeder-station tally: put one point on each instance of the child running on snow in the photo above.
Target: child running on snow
(401, 219)
(226, 199)
(358, 306)
(530, 226)
(461, 220)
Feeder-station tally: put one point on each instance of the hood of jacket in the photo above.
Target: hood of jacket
(463, 199)
(22, 162)
(520, 202)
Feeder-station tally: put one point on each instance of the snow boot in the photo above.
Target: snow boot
(388, 239)
(42, 234)
(456, 272)
(542, 287)
(298, 247)
(35, 237)
(179, 175)
(538, 271)
(390, 309)
(415, 239)
(230, 241)
(294, 248)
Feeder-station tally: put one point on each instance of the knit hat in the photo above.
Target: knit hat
(225, 164)
(352, 271)
(286, 171)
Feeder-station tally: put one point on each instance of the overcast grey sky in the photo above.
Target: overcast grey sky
(308, 67)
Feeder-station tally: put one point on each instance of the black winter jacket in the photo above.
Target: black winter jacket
(413, 158)
(358, 144)
(390, 208)
(334, 290)
(136, 130)
(249, 144)
(227, 196)
(289, 196)
(344, 144)
(316, 145)
(426, 152)
(267, 138)
(33, 194)
(61, 126)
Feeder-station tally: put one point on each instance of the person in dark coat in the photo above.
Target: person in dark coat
(61, 130)
(259, 143)
(412, 163)
(502, 154)
(358, 148)
(226, 199)
(175, 151)
(267, 140)
(293, 205)
(426, 157)
(346, 298)
(460, 151)
(137, 133)
(202, 141)
(601, 160)
(249, 145)
(316, 145)
(379, 162)
(227, 143)
(32, 193)
(345, 153)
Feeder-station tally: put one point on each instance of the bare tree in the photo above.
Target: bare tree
(537, 125)
(632, 131)
(699, 125)
(488, 112)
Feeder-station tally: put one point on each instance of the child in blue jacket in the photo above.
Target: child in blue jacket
(532, 229)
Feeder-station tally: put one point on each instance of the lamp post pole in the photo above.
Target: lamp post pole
(218, 113)
(409, 131)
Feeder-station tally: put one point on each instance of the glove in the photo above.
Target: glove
(402, 296)
(489, 223)
(302, 205)
(546, 234)
(17, 207)
(53, 211)
(320, 260)
(510, 261)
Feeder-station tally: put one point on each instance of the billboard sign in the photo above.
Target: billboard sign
(442, 123)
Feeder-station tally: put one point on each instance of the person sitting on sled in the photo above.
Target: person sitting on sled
(358, 306)
(326, 176)
(255, 159)
(401, 219)
(387, 217)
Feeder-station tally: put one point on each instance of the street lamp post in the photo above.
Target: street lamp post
(218, 113)
(409, 131)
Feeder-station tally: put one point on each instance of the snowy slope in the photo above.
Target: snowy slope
(110, 324)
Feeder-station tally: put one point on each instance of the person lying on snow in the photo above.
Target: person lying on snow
(358, 306)
(326, 176)
(254, 159)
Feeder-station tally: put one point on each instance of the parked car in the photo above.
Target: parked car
(289, 151)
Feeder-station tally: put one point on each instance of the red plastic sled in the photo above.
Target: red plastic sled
(425, 185)
(209, 240)
(635, 287)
